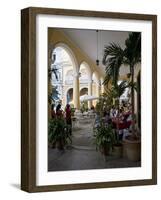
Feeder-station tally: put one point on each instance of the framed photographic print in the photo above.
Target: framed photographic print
(88, 99)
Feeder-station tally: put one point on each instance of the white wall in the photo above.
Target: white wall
(10, 98)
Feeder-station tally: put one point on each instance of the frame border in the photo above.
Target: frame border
(28, 98)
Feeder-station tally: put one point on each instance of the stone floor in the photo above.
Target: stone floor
(82, 153)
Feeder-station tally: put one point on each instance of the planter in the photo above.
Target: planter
(52, 145)
(60, 144)
(118, 150)
(105, 150)
(132, 148)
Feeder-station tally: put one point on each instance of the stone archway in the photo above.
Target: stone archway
(71, 54)
(69, 96)
(83, 91)
(75, 68)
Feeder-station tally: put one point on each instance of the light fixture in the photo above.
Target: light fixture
(97, 60)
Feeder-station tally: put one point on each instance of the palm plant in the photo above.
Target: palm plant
(132, 57)
(112, 59)
(104, 138)
(119, 89)
(115, 56)
(59, 131)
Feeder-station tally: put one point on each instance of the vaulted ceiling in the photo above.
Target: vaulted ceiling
(86, 40)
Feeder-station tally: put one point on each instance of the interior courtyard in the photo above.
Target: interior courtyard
(77, 79)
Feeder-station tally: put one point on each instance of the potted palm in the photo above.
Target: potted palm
(104, 138)
(106, 103)
(59, 133)
(114, 58)
(118, 90)
(51, 133)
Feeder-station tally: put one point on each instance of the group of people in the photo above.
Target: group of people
(120, 119)
(121, 113)
(59, 113)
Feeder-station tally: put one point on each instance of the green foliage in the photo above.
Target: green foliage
(84, 106)
(119, 89)
(115, 56)
(133, 85)
(59, 130)
(112, 59)
(72, 110)
(132, 51)
(104, 135)
(105, 102)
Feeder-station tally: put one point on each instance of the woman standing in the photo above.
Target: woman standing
(68, 117)
(59, 112)
(68, 114)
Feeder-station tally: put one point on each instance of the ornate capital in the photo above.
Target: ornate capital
(76, 74)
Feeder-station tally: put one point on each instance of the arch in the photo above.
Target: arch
(69, 72)
(71, 54)
(87, 67)
(83, 91)
(69, 95)
(69, 77)
(95, 77)
(70, 63)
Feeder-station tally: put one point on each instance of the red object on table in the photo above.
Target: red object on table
(122, 125)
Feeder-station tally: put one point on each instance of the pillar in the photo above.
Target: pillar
(102, 89)
(102, 86)
(90, 93)
(98, 89)
(76, 96)
(135, 97)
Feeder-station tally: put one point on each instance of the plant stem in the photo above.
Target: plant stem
(132, 98)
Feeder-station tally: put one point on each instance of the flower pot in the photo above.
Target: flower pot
(105, 150)
(52, 145)
(132, 149)
(118, 149)
(60, 144)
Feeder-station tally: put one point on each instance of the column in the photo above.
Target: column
(102, 89)
(102, 86)
(98, 88)
(76, 96)
(90, 93)
(135, 99)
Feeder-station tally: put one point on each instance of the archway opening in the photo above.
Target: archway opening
(84, 73)
(63, 67)
(83, 91)
(70, 96)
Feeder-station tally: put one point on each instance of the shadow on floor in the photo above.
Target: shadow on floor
(16, 185)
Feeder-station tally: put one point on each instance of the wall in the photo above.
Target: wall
(10, 100)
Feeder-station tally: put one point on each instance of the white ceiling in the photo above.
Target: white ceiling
(86, 40)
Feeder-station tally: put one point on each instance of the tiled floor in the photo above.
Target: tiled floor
(82, 153)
